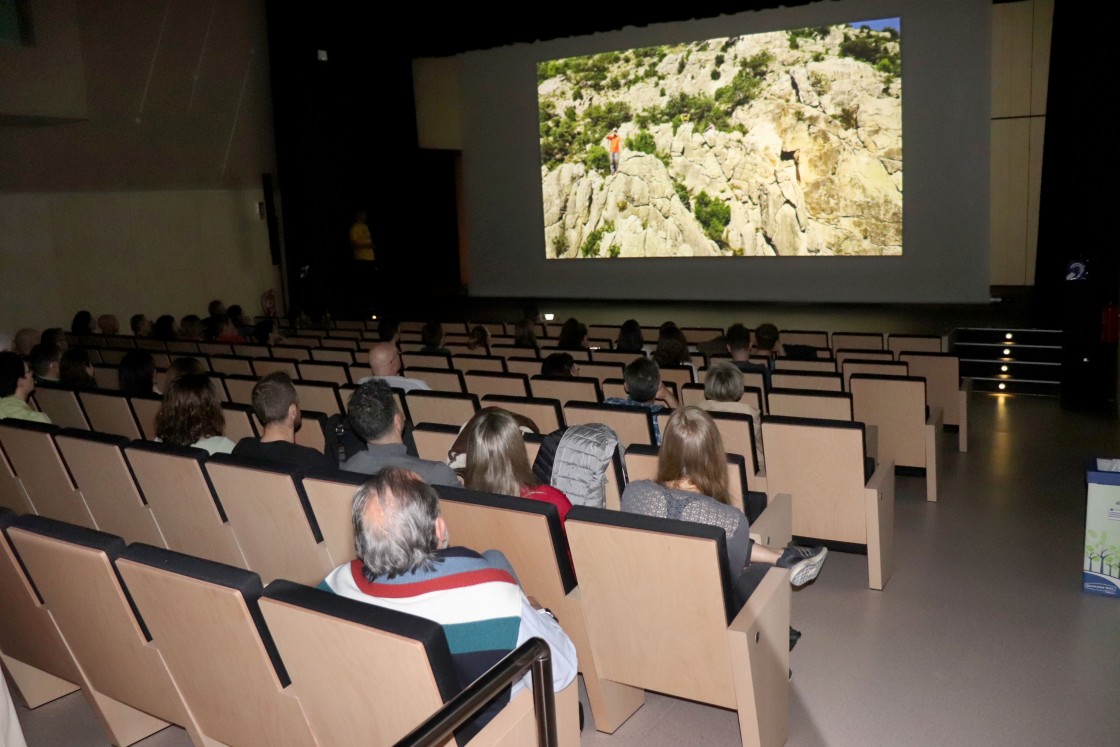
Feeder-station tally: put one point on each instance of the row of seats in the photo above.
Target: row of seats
(269, 520)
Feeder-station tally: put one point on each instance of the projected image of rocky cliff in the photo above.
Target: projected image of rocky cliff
(779, 144)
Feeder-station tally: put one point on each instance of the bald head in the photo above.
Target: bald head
(384, 360)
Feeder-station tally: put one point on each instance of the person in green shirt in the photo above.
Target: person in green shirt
(16, 385)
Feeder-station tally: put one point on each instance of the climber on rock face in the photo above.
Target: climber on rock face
(614, 145)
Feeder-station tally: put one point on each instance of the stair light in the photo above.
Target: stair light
(1002, 385)
(1007, 351)
(1003, 368)
(1008, 336)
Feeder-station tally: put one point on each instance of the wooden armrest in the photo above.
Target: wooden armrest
(774, 526)
(758, 642)
(962, 405)
(871, 440)
(934, 425)
(936, 417)
(879, 515)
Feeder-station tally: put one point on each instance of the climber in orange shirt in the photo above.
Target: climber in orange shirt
(614, 146)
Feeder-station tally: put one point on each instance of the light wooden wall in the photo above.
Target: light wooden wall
(1020, 70)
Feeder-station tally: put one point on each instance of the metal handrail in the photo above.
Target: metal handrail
(534, 654)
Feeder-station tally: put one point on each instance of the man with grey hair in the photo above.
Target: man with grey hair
(405, 563)
(376, 419)
(385, 364)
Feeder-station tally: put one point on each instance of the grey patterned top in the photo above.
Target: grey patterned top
(652, 499)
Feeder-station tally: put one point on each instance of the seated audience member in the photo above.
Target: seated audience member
(376, 419)
(140, 325)
(55, 336)
(691, 485)
(573, 336)
(479, 340)
(222, 329)
(531, 313)
(560, 364)
(672, 347)
(82, 324)
(26, 339)
(642, 381)
(766, 341)
(5, 343)
(241, 322)
(180, 367)
(264, 332)
(192, 328)
(191, 415)
(523, 335)
(276, 405)
(389, 330)
(405, 563)
(630, 338)
(137, 374)
(16, 385)
(385, 365)
(108, 324)
(165, 328)
(432, 337)
(723, 392)
(215, 308)
(497, 462)
(45, 361)
(75, 369)
(738, 343)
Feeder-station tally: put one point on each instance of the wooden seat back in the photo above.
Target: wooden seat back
(425, 360)
(313, 431)
(109, 412)
(440, 407)
(803, 337)
(822, 365)
(35, 459)
(473, 362)
(331, 495)
(271, 517)
(146, 409)
(481, 383)
(332, 371)
(811, 403)
(897, 406)
(98, 467)
(601, 370)
(942, 372)
(827, 382)
(547, 413)
(886, 368)
(345, 357)
(232, 365)
(857, 341)
(433, 440)
(899, 344)
(205, 620)
(173, 481)
(440, 379)
(61, 406)
(240, 421)
(673, 576)
(632, 425)
(566, 389)
(240, 388)
(320, 396)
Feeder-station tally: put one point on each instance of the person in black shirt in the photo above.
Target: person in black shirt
(276, 405)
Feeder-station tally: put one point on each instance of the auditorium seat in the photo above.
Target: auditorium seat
(614, 356)
(109, 412)
(320, 396)
(239, 422)
(828, 382)
(852, 366)
(566, 388)
(672, 576)
(240, 388)
(529, 366)
(173, 481)
(35, 459)
(271, 518)
(313, 430)
(909, 431)
(811, 403)
(303, 353)
(899, 344)
(473, 362)
(205, 620)
(822, 465)
(331, 495)
(546, 412)
(332, 371)
(803, 337)
(943, 388)
(440, 407)
(481, 383)
(123, 675)
(425, 360)
(345, 357)
(856, 341)
(601, 370)
(529, 534)
(632, 425)
(846, 354)
(61, 405)
(232, 365)
(439, 379)
(96, 463)
(433, 440)
(12, 494)
(825, 365)
(266, 366)
(145, 410)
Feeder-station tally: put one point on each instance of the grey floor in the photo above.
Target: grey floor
(981, 637)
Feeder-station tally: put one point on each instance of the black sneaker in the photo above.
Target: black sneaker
(804, 563)
(794, 637)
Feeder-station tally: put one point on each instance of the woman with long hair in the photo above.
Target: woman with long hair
(672, 347)
(692, 485)
(630, 337)
(573, 336)
(191, 415)
(75, 369)
(498, 463)
(137, 373)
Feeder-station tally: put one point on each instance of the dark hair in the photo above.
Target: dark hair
(181, 367)
(214, 308)
(479, 337)
(432, 335)
(273, 396)
(738, 337)
(236, 314)
(672, 347)
(135, 322)
(73, 369)
(387, 328)
(643, 378)
(766, 335)
(190, 411)
(531, 312)
(137, 373)
(630, 337)
(42, 356)
(573, 336)
(523, 336)
(214, 326)
(262, 331)
(191, 327)
(164, 328)
(82, 323)
(558, 364)
(12, 369)
(371, 409)
(54, 336)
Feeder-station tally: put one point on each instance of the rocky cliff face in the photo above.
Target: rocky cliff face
(807, 162)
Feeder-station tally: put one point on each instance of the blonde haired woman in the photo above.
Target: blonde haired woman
(691, 485)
